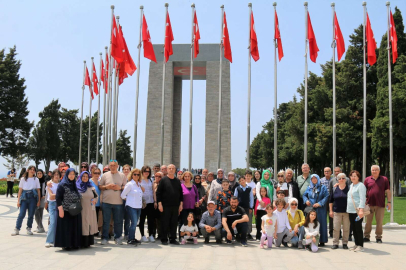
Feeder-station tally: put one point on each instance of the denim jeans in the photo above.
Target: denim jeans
(133, 214)
(52, 222)
(126, 220)
(117, 210)
(28, 203)
(299, 237)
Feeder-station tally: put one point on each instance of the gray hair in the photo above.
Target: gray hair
(340, 175)
(289, 169)
(305, 164)
(376, 166)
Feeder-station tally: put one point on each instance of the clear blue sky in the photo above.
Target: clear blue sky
(54, 37)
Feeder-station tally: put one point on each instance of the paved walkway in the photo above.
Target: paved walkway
(28, 252)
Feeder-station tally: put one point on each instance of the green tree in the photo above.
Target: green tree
(93, 137)
(69, 134)
(124, 151)
(14, 125)
(37, 145)
(50, 122)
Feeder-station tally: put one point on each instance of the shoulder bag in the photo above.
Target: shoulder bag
(75, 208)
(367, 210)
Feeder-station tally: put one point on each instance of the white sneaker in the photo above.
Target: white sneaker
(15, 232)
(353, 248)
(359, 249)
(144, 239)
(152, 239)
(41, 230)
(119, 241)
(47, 245)
(29, 232)
(104, 242)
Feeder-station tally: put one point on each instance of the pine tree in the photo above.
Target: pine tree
(37, 145)
(14, 125)
(124, 151)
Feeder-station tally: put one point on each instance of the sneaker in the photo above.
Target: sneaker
(366, 240)
(334, 247)
(104, 242)
(300, 245)
(41, 230)
(144, 239)
(284, 244)
(131, 242)
(47, 245)
(244, 244)
(11, 196)
(229, 242)
(174, 242)
(345, 246)
(379, 241)
(15, 232)
(353, 248)
(195, 241)
(164, 243)
(52, 245)
(206, 240)
(151, 239)
(218, 242)
(137, 242)
(183, 242)
(261, 246)
(359, 249)
(29, 232)
(118, 241)
(249, 237)
(126, 238)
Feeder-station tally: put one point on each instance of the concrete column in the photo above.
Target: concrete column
(177, 122)
(153, 127)
(212, 93)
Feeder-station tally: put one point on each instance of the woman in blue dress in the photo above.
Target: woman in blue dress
(316, 196)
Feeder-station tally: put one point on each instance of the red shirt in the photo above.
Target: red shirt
(376, 190)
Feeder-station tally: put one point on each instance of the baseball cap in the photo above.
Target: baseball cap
(209, 202)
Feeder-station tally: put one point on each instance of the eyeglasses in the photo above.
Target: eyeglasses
(293, 204)
(147, 171)
(113, 160)
(96, 173)
(198, 178)
(84, 167)
(280, 175)
(341, 178)
(136, 174)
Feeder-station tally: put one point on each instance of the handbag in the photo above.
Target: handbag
(367, 209)
(75, 209)
(310, 208)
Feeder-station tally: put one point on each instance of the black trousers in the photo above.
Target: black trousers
(301, 205)
(169, 222)
(242, 228)
(357, 230)
(258, 223)
(10, 188)
(148, 212)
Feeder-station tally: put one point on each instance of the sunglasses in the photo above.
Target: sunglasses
(136, 174)
(280, 175)
(198, 178)
(294, 204)
(96, 173)
(147, 171)
(113, 160)
(84, 167)
(341, 178)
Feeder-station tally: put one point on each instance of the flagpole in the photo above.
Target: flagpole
(110, 109)
(220, 104)
(115, 111)
(333, 45)
(306, 75)
(98, 114)
(392, 179)
(112, 112)
(137, 92)
(191, 92)
(364, 135)
(163, 95)
(81, 113)
(249, 87)
(90, 115)
(275, 126)
(104, 117)
(110, 87)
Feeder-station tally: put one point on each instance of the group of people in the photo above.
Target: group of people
(181, 207)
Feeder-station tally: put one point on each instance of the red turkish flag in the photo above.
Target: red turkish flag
(226, 41)
(87, 81)
(106, 78)
(146, 41)
(168, 38)
(278, 37)
(253, 40)
(103, 75)
(196, 35)
(312, 40)
(371, 43)
(95, 81)
(129, 65)
(117, 46)
(393, 38)
(339, 38)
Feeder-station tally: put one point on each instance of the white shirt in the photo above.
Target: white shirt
(133, 194)
(312, 231)
(190, 229)
(148, 193)
(269, 224)
(53, 189)
(283, 221)
(252, 185)
(29, 184)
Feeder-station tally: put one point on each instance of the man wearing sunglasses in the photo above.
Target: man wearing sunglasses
(111, 185)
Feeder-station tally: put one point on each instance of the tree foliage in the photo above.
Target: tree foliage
(124, 151)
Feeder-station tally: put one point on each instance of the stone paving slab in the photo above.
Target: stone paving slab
(28, 252)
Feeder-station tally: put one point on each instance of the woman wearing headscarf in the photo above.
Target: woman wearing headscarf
(215, 186)
(88, 200)
(197, 181)
(316, 197)
(40, 210)
(266, 183)
(233, 181)
(68, 227)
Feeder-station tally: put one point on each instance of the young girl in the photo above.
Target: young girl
(269, 227)
(189, 230)
(260, 211)
(312, 231)
(51, 206)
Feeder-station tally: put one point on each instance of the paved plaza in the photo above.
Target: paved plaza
(28, 253)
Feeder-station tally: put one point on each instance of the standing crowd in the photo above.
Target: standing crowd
(182, 207)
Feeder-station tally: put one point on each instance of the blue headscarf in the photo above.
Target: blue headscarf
(82, 186)
(66, 182)
(315, 187)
